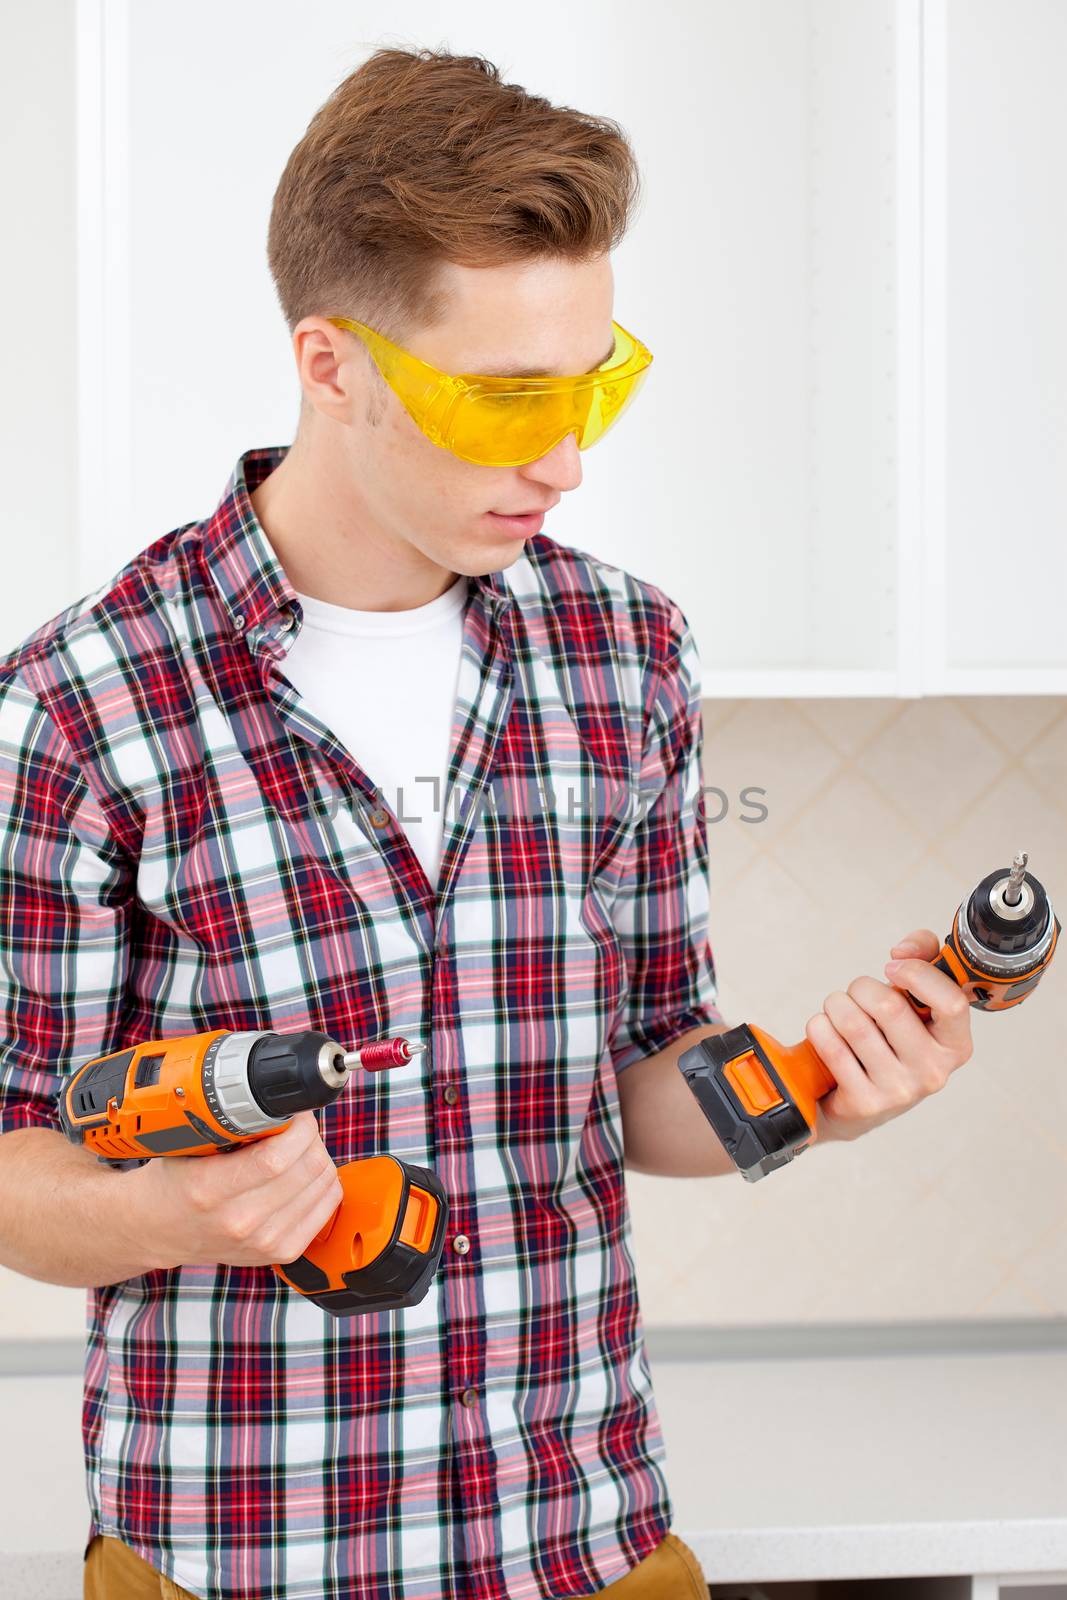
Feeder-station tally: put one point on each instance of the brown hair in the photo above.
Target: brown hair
(420, 156)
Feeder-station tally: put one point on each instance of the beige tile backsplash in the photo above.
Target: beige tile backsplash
(883, 814)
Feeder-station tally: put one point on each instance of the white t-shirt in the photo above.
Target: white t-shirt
(384, 683)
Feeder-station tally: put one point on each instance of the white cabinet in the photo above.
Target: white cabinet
(998, 331)
(922, 1475)
(1009, 1586)
(849, 461)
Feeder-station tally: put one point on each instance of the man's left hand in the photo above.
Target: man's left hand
(884, 1057)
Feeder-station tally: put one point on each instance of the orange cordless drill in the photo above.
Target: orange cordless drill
(760, 1096)
(208, 1092)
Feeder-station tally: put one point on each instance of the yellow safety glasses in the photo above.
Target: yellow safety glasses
(506, 422)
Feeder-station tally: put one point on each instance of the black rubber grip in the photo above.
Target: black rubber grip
(284, 1076)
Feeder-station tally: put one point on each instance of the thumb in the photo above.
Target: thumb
(923, 942)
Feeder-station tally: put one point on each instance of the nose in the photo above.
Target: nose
(561, 468)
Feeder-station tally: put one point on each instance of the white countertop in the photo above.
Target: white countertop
(860, 1466)
(819, 1467)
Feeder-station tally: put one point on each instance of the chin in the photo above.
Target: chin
(504, 538)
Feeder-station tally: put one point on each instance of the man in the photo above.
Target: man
(362, 753)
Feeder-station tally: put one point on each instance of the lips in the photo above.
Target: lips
(530, 511)
(525, 526)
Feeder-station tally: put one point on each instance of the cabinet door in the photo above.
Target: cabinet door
(997, 332)
(754, 477)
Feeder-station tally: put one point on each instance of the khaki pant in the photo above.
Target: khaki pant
(115, 1572)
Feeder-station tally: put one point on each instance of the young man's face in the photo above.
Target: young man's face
(544, 314)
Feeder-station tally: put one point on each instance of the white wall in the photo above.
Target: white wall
(38, 300)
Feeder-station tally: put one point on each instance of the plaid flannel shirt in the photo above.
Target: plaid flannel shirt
(185, 846)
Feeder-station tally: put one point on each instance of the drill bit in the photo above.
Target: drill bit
(1013, 886)
(383, 1053)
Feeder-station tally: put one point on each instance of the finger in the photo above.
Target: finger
(855, 1095)
(284, 1149)
(950, 1022)
(245, 1170)
(923, 942)
(312, 1208)
(865, 1039)
(847, 1070)
(305, 1170)
(919, 1056)
(317, 1196)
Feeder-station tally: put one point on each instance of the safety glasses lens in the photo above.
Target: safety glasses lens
(515, 428)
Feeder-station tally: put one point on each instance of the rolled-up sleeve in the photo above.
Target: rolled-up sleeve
(66, 890)
(660, 909)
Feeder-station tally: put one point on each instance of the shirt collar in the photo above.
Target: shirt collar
(245, 569)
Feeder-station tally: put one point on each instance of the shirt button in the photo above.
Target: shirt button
(461, 1244)
(469, 1397)
(380, 817)
(238, 622)
(451, 1093)
(287, 621)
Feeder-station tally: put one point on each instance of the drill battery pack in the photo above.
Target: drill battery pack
(763, 1113)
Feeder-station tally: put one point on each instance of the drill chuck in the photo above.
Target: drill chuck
(291, 1072)
(253, 1080)
(1005, 937)
(1002, 939)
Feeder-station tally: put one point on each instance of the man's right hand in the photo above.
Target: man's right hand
(259, 1204)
